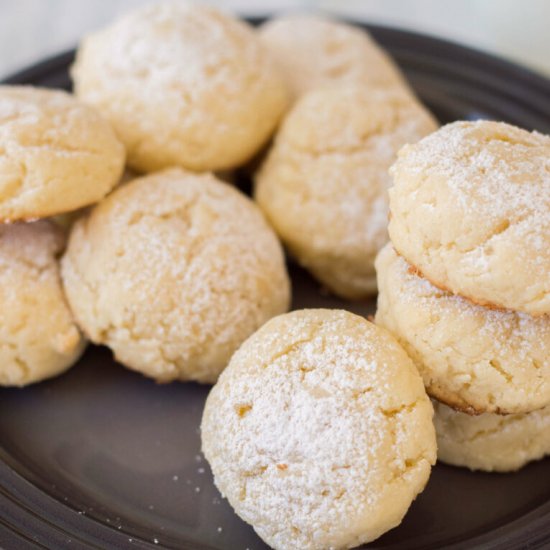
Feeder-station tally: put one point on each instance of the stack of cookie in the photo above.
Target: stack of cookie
(465, 286)
(56, 156)
(172, 271)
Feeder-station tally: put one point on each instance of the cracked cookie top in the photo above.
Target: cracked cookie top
(324, 183)
(173, 271)
(319, 432)
(56, 154)
(470, 208)
(183, 85)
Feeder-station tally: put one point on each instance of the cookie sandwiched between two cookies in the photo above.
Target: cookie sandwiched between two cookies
(472, 358)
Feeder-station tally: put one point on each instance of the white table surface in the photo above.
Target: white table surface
(517, 29)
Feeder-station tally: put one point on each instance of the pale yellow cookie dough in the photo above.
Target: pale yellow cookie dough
(65, 221)
(38, 336)
(183, 85)
(470, 209)
(491, 442)
(313, 52)
(324, 183)
(173, 272)
(56, 154)
(319, 432)
(473, 358)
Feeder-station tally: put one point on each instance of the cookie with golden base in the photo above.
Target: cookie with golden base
(470, 209)
(471, 358)
(319, 432)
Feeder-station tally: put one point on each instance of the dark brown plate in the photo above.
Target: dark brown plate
(104, 458)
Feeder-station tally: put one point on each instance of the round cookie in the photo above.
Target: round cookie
(472, 358)
(324, 183)
(38, 336)
(56, 154)
(319, 432)
(183, 85)
(173, 271)
(313, 52)
(470, 209)
(491, 442)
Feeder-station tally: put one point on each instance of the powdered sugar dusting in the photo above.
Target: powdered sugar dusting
(317, 416)
(179, 42)
(471, 205)
(324, 183)
(498, 169)
(210, 272)
(469, 355)
(313, 52)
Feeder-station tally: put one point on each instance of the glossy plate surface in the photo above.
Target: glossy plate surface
(104, 458)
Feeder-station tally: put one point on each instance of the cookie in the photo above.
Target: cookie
(324, 184)
(319, 432)
(313, 52)
(491, 442)
(183, 85)
(173, 271)
(472, 358)
(470, 209)
(56, 154)
(38, 336)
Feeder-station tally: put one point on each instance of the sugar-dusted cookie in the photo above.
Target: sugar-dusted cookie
(38, 336)
(324, 183)
(472, 358)
(313, 52)
(319, 432)
(56, 154)
(470, 209)
(183, 85)
(173, 271)
(491, 442)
